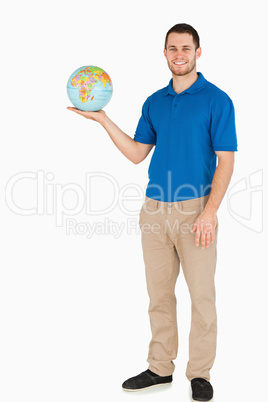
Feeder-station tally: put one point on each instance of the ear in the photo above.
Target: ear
(198, 52)
(165, 53)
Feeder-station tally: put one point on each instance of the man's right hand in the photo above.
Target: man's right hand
(96, 116)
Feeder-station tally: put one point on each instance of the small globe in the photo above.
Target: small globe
(89, 88)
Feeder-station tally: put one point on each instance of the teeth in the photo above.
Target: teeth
(182, 62)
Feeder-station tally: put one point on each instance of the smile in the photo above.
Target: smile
(180, 63)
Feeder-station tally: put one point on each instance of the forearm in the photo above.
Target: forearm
(220, 182)
(126, 144)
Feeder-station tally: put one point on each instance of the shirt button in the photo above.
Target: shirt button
(169, 205)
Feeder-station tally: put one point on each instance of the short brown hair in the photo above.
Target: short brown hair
(184, 28)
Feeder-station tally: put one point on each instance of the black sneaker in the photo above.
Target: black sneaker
(145, 380)
(202, 390)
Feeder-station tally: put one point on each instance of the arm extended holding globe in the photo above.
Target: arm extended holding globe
(135, 151)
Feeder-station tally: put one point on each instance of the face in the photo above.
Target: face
(181, 54)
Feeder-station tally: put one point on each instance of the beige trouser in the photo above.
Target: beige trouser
(167, 242)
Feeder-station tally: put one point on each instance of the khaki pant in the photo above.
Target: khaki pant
(167, 243)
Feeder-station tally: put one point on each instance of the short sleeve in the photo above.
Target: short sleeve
(223, 129)
(145, 132)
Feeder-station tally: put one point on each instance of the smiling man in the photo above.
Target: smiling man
(191, 124)
(181, 54)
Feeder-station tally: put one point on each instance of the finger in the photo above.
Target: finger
(208, 239)
(203, 240)
(80, 112)
(212, 237)
(73, 109)
(197, 237)
(194, 228)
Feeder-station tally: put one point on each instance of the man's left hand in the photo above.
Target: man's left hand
(204, 229)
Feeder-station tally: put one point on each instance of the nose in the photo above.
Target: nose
(180, 54)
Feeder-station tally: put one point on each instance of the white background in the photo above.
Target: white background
(74, 321)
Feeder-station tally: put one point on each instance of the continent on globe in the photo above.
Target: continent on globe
(89, 88)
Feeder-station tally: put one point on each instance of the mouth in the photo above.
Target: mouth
(180, 63)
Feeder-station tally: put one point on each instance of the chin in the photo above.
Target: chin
(180, 74)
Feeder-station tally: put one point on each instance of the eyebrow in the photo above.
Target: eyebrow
(181, 46)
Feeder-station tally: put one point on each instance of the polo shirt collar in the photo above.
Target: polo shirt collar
(199, 84)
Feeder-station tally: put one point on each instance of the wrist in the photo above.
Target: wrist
(104, 121)
(210, 209)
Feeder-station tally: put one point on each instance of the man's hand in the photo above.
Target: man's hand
(204, 228)
(205, 224)
(96, 116)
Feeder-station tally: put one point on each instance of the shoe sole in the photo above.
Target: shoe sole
(143, 389)
(202, 400)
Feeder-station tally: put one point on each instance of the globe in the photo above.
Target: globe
(89, 88)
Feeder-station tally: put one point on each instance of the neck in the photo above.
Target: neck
(182, 82)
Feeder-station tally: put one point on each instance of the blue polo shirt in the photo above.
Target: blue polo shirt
(187, 129)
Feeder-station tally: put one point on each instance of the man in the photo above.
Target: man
(191, 124)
